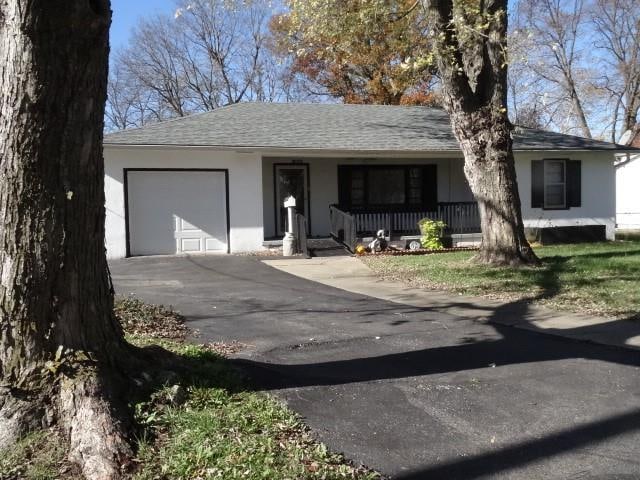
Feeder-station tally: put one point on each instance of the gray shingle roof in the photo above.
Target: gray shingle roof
(329, 127)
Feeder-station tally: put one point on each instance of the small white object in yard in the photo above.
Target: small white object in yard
(414, 245)
(377, 338)
(492, 365)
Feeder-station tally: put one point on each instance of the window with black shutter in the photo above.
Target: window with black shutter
(556, 184)
(574, 183)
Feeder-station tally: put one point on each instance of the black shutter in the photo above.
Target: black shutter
(574, 183)
(430, 187)
(537, 183)
(344, 186)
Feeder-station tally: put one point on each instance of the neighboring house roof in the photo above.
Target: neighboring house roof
(330, 127)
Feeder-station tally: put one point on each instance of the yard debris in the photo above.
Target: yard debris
(391, 250)
(226, 348)
(156, 321)
(424, 251)
(267, 252)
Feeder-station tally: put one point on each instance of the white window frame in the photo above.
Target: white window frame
(563, 205)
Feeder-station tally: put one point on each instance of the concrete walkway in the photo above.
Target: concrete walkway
(350, 274)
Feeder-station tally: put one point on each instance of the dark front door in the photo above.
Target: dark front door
(291, 180)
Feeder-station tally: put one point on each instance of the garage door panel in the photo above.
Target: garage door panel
(191, 245)
(185, 226)
(177, 212)
(214, 244)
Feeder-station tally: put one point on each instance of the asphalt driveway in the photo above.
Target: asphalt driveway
(411, 392)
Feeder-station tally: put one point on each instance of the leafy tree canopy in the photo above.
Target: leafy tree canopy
(372, 51)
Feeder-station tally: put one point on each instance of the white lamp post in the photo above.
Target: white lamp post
(289, 240)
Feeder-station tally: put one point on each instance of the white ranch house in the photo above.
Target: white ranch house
(215, 182)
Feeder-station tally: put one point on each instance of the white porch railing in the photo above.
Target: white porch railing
(347, 226)
(459, 218)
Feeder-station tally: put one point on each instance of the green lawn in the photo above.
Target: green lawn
(596, 278)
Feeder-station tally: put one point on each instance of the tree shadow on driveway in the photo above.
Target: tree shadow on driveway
(523, 453)
(515, 347)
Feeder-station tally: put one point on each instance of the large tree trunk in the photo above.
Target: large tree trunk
(471, 58)
(61, 348)
(490, 170)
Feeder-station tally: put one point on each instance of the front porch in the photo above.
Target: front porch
(351, 226)
(353, 198)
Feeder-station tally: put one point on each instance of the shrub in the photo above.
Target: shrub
(431, 231)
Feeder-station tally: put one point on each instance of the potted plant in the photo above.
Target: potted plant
(432, 232)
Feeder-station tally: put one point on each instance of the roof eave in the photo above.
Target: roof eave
(269, 150)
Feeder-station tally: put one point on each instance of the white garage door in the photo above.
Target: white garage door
(177, 212)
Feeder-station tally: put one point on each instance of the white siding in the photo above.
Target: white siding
(251, 185)
(598, 192)
(598, 188)
(628, 193)
(245, 189)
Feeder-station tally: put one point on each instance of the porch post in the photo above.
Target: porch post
(289, 240)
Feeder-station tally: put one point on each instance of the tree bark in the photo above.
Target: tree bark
(490, 170)
(61, 348)
(471, 58)
(577, 104)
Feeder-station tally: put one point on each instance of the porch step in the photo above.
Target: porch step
(466, 239)
(272, 243)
